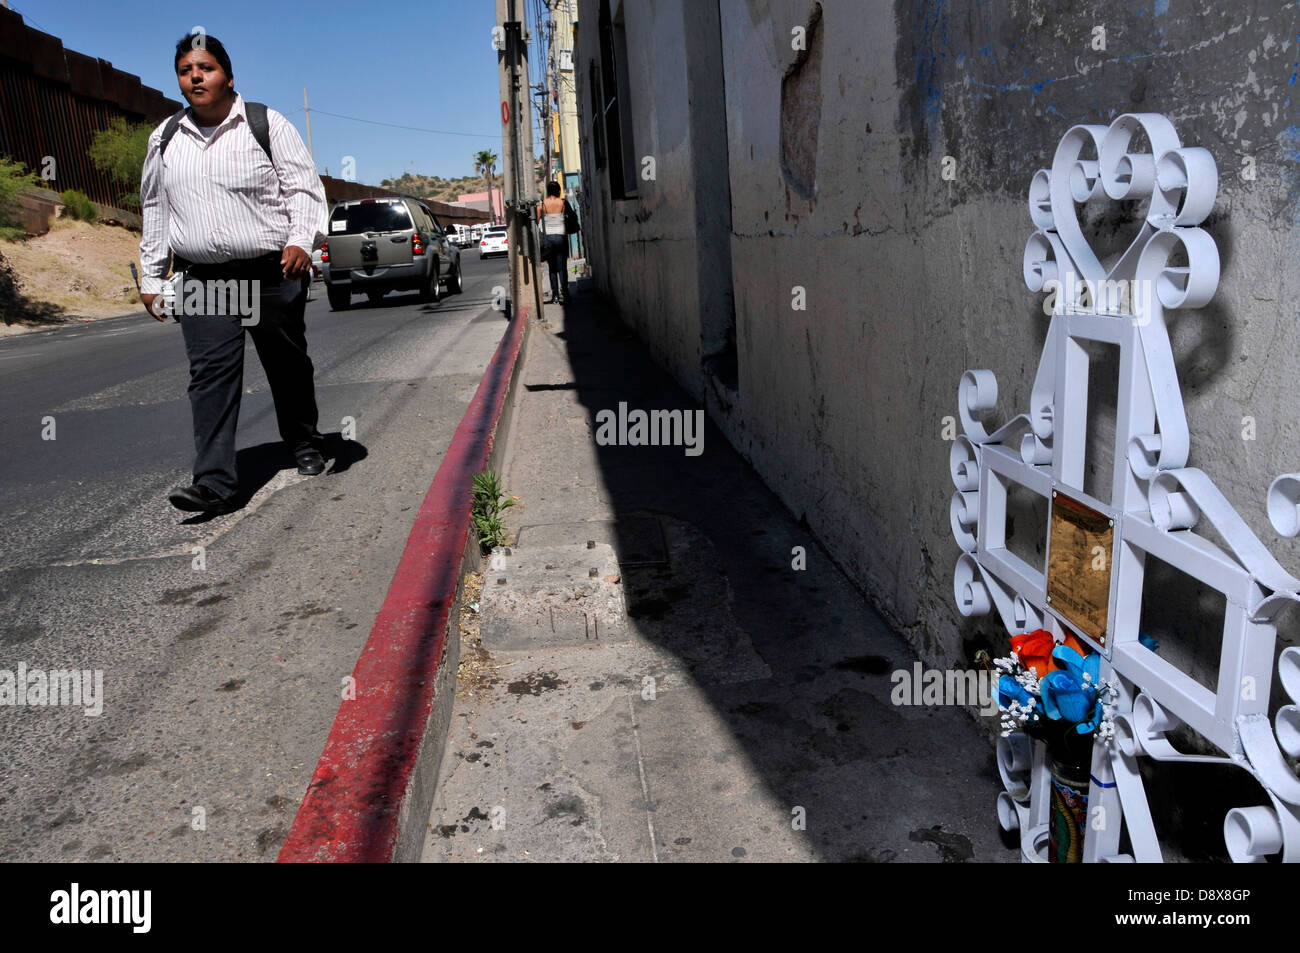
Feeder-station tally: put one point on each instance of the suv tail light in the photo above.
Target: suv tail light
(324, 251)
(417, 244)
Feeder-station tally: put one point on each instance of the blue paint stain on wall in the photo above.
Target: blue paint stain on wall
(933, 23)
(1160, 8)
(1289, 140)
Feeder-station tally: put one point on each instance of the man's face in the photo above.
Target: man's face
(201, 78)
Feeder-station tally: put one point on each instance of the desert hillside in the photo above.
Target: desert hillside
(436, 188)
(73, 272)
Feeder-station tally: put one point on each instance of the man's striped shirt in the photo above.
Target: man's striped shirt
(219, 198)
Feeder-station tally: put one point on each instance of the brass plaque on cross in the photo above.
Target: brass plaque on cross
(1079, 548)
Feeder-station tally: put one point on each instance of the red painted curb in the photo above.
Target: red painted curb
(352, 809)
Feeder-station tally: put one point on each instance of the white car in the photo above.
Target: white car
(494, 242)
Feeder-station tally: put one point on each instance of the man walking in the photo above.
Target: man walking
(231, 197)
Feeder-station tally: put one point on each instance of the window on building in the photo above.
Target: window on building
(616, 109)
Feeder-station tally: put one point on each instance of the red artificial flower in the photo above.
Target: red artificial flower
(1034, 649)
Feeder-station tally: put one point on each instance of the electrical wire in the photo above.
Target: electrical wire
(395, 125)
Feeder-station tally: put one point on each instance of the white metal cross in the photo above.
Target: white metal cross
(1156, 502)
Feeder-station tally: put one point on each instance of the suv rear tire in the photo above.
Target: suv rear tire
(340, 298)
(429, 288)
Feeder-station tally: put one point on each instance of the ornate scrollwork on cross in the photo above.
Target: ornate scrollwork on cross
(1156, 503)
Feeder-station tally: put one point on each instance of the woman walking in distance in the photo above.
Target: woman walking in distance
(555, 243)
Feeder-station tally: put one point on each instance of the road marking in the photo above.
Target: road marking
(645, 788)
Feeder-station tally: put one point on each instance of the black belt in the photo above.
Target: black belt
(237, 267)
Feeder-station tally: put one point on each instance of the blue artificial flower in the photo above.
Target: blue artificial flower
(1089, 726)
(1070, 694)
(1009, 690)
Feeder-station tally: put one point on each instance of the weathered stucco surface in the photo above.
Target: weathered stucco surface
(911, 278)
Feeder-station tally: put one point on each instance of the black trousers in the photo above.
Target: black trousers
(555, 249)
(213, 328)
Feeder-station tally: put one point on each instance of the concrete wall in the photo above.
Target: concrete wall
(834, 159)
(667, 249)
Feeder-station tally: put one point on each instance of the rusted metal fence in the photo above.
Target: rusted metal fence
(54, 100)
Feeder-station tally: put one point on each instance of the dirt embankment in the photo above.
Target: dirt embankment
(76, 272)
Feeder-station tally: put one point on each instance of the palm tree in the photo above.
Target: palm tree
(485, 164)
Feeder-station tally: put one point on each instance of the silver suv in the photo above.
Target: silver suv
(386, 244)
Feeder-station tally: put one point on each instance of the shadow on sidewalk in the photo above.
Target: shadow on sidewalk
(791, 661)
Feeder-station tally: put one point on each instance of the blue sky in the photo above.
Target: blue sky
(423, 63)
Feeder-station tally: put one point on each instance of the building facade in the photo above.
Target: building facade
(814, 214)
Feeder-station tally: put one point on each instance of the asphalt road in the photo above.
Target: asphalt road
(221, 673)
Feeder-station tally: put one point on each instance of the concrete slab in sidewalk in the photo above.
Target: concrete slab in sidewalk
(747, 716)
(569, 593)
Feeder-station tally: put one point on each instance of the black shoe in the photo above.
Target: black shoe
(200, 499)
(310, 461)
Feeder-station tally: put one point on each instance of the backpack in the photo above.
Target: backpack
(257, 124)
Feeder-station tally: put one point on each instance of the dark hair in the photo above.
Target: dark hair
(553, 189)
(201, 41)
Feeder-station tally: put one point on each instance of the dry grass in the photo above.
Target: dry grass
(74, 272)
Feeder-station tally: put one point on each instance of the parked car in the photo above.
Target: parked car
(494, 242)
(379, 245)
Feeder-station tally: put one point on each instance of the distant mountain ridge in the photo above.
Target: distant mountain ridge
(436, 188)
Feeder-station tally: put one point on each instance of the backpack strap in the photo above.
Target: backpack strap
(258, 125)
(169, 130)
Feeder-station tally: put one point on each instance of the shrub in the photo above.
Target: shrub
(79, 206)
(119, 151)
(13, 182)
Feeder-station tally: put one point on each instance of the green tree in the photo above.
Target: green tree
(485, 164)
(13, 182)
(119, 151)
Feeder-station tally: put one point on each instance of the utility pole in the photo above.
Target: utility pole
(547, 86)
(307, 110)
(517, 155)
(552, 100)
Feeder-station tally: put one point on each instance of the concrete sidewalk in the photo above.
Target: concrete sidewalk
(741, 711)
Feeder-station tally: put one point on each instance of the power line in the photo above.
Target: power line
(394, 125)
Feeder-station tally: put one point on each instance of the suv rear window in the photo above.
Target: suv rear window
(372, 217)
